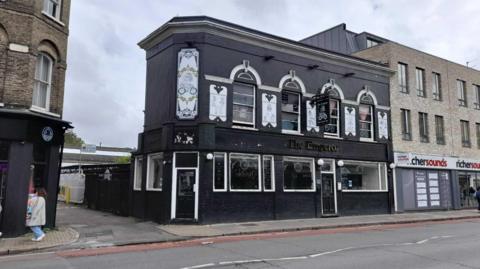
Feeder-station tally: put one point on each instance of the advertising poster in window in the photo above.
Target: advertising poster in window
(350, 121)
(312, 117)
(269, 110)
(187, 84)
(218, 103)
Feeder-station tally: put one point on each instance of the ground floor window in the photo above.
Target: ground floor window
(468, 183)
(244, 172)
(155, 172)
(268, 173)
(220, 172)
(137, 178)
(298, 174)
(364, 176)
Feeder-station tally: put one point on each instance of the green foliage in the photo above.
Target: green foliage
(71, 139)
(123, 160)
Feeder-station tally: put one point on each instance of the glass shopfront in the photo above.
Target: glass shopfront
(468, 183)
(364, 176)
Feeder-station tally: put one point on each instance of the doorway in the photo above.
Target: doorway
(185, 186)
(328, 191)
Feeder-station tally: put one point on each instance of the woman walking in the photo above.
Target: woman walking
(36, 213)
(477, 195)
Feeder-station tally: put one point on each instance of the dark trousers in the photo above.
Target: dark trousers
(478, 200)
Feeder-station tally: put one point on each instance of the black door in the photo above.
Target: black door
(328, 194)
(185, 193)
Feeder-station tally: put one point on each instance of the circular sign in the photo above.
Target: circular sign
(47, 134)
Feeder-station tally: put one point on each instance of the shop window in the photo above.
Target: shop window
(291, 111)
(43, 82)
(244, 172)
(268, 173)
(137, 178)
(220, 172)
(155, 172)
(332, 128)
(298, 174)
(364, 176)
(52, 8)
(244, 105)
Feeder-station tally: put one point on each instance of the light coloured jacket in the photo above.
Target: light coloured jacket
(35, 211)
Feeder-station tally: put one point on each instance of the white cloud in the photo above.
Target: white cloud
(105, 86)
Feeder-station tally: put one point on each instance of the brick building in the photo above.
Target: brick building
(33, 50)
(435, 108)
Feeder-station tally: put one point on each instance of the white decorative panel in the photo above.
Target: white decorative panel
(187, 84)
(218, 102)
(312, 118)
(350, 121)
(269, 110)
(382, 125)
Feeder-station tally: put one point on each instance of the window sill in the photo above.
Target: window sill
(43, 111)
(137, 189)
(156, 190)
(367, 140)
(245, 190)
(291, 132)
(219, 190)
(53, 18)
(332, 137)
(244, 128)
(364, 191)
(299, 190)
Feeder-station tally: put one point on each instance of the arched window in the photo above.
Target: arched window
(43, 82)
(366, 113)
(244, 87)
(336, 96)
(292, 88)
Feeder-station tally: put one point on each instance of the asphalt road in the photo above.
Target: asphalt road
(433, 245)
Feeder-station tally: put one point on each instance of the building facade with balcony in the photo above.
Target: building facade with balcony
(231, 134)
(33, 49)
(435, 107)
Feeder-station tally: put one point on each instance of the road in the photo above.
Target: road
(453, 244)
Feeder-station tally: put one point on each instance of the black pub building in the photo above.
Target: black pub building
(234, 129)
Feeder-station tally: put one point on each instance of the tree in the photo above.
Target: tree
(123, 160)
(71, 139)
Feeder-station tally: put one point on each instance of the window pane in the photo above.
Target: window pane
(363, 176)
(290, 121)
(219, 170)
(290, 102)
(297, 174)
(40, 94)
(244, 172)
(155, 172)
(268, 172)
(138, 173)
(366, 121)
(45, 71)
(243, 113)
(243, 94)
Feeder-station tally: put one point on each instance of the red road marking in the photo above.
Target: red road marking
(235, 238)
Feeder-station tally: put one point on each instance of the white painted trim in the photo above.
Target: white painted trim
(254, 107)
(269, 88)
(383, 107)
(249, 68)
(335, 86)
(258, 156)
(43, 111)
(149, 160)
(225, 171)
(395, 199)
(18, 48)
(135, 178)
(173, 210)
(309, 95)
(313, 167)
(349, 102)
(2, 104)
(218, 79)
(243, 127)
(334, 173)
(364, 190)
(360, 93)
(272, 173)
(291, 132)
(295, 78)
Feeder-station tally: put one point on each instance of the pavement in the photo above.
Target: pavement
(82, 228)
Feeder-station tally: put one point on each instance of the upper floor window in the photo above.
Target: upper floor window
(52, 8)
(423, 126)
(366, 117)
(402, 77)
(244, 105)
(420, 82)
(436, 87)
(333, 126)
(477, 127)
(43, 82)
(406, 124)
(465, 130)
(439, 130)
(476, 89)
(461, 94)
(372, 43)
(291, 111)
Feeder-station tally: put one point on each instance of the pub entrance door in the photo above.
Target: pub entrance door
(185, 186)
(328, 189)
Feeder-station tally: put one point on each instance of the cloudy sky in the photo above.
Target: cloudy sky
(105, 85)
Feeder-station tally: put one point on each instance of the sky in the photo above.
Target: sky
(105, 82)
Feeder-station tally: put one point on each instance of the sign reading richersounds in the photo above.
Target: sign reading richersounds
(435, 162)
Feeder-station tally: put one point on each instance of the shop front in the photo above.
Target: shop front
(425, 182)
(29, 152)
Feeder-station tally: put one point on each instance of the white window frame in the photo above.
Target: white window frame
(337, 134)
(272, 173)
(244, 124)
(58, 9)
(372, 122)
(299, 117)
(312, 162)
(379, 164)
(259, 160)
(436, 86)
(48, 82)
(150, 158)
(136, 176)
(225, 171)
